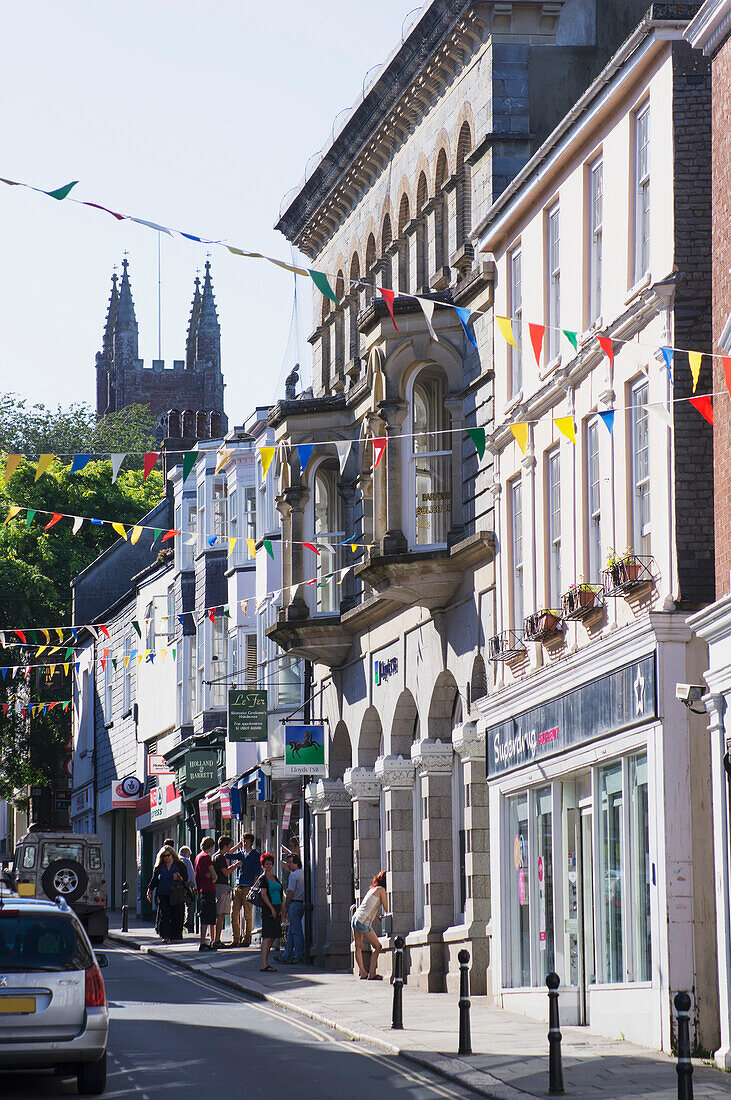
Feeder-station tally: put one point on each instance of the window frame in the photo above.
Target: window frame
(517, 567)
(515, 311)
(596, 230)
(553, 526)
(642, 192)
(640, 486)
(127, 675)
(414, 455)
(553, 278)
(593, 498)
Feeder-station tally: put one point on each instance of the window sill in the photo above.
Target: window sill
(513, 403)
(127, 713)
(543, 372)
(639, 286)
(108, 725)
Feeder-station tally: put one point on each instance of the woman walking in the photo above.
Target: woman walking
(362, 925)
(271, 896)
(168, 879)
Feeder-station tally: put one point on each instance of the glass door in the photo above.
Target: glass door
(585, 902)
(578, 907)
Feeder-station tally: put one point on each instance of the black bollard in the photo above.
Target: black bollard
(685, 1066)
(555, 1067)
(465, 1036)
(397, 1019)
(125, 907)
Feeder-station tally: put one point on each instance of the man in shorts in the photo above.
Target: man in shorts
(223, 869)
(205, 883)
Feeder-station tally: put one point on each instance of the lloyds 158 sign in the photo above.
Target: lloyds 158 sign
(247, 715)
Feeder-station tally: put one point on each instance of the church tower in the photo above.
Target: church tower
(185, 398)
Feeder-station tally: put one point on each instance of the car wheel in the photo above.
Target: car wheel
(64, 878)
(91, 1077)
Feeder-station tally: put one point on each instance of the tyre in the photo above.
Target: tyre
(64, 878)
(91, 1077)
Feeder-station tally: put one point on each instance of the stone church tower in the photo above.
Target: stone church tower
(186, 399)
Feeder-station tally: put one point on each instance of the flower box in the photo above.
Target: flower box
(580, 601)
(625, 573)
(542, 625)
(503, 647)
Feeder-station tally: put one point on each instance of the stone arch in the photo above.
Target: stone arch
(441, 175)
(386, 233)
(339, 321)
(355, 291)
(405, 717)
(442, 148)
(173, 427)
(370, 254)
(404, 214)
(370, 739)
(441, 707)
(464, 185)
(404, 217)
(478, 679)
(422, 261)
(340, 755)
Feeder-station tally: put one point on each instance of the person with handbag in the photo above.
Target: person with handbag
(168, 880)
(270, 891)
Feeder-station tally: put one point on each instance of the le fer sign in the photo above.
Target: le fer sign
(247, 715)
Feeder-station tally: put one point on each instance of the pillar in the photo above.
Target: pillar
(440, 277)
(450, 190)
(396, 776)
(716, 707)
(393, 414)
(433, 763)
(469, 744)
(411, 232)
(364, 790)
(318, 873)
(334, 804)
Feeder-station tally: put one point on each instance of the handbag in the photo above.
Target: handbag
(178, 894)
(254, 896)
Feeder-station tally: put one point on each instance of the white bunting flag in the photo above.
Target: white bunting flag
(117, 461)
(343, 448)
(427, 306)
(78, 521)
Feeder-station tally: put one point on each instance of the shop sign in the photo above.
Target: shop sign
(81, 800)
(125, 792)
(304, 750)
(158, 765)
(383, 670)
(157, 801)
(247, 715)
(614, 702)
(263, 786)
(201, 769)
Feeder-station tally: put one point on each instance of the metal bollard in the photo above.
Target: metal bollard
(125, 907)
(685, 1066)
(555, 1066)
(465, 1036)
(397, 1018)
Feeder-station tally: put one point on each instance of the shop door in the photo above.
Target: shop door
(579, 902)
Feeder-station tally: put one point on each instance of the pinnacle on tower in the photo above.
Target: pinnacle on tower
(125, 325)
(208, 335)
(190, 342)
(107, 343)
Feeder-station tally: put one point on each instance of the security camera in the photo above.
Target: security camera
(689, 693)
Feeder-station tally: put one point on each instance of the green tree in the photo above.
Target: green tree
(35, 429)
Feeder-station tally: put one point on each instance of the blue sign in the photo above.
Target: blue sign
(263, 787)
(382, 670)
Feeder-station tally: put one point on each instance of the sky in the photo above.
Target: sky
(200, 117)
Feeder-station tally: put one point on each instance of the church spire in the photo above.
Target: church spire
(125, 324)
(190, 341)
(107, 343)
(208, 335)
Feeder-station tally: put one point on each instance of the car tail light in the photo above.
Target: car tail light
(95, 995)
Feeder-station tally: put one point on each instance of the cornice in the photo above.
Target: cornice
(362, 784)
(432, 757)
(710, 27)
(468, 741)
(394, 771)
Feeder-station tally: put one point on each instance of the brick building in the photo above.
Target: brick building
(186, 399)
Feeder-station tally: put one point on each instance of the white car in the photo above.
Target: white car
(53, 1007)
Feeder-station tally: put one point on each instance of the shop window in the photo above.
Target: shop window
(543, 884)
(429, 482)
(519, 969)
(640, 870)
(610, 883)
(327, 529)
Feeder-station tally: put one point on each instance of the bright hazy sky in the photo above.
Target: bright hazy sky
(200, 116)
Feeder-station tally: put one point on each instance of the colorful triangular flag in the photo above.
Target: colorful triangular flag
(343, 447)
(379, 447)
(388, 297)
(267, 454)
(120, 529)
(607, 346)
(506, 329)
(477, 435)
(704, 405)
(222, 457)
(189, 460)
(608, 419)
(320, 281)
(520, 431)
(537, 334)
(304, 451)
(79, 462)
(565, 425)
(694, 359)
(427, 308)
(149, 463)
(268, 547)
(43, 463)
(572, 337)
(667, 354)
(117, 461)
(11, 465)
(464, 315)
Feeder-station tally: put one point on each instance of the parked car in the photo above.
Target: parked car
(53, 1006)
(68, 865)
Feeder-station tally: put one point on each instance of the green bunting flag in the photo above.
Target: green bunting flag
(572, 338)
(156, 535)
(477, 435)
(136, 625)
(189, 459)
(29, 516)
(323, 285)
(61, 192)
(268, 547)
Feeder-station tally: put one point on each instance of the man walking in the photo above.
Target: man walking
(294, 904)
(205, 882)
(248, 872)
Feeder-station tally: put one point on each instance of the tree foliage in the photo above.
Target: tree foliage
(35, 429)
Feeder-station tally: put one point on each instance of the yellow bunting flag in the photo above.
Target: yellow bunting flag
(65, 669)
(267, 454)
(46, 635)
(223, 456)
(126, 659)
(520, 431)
(140, 659)
(251, 547)
(163, 653)
(60, 633)
(11, 465)
(43, 463)
(506, 328)
(41, 649)
(565, 425)
(231, 543)
(119, 528)
(694, 358)
(12, 511)
(136, 532)
(353, 547)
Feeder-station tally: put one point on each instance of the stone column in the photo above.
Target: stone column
(469, 744)
(318, 873)
(433, 763)
(450, 194)
(396, 776)
(364, 790)
(716, 707)
(393, 414)
(336, 806)
(440, 279)
(455, 406)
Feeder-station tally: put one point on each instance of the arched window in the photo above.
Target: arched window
(403, 253)
(464, 186)
(442, 222)
(355, 299)
(459, 832)
(422, 265)
(429, 480)
(174, 423)
(370, 259)
(418, 835)
(386, 238)
(216, 426)
(327, 530)
(340, 323)
(478, 682)
(201, 426)
(188, 424)
(325, 345)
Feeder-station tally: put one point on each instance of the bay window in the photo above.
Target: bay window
(429, 482)
(327, 530)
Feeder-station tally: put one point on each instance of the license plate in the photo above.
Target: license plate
(20, 1006)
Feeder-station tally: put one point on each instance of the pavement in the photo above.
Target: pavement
(510, 1059)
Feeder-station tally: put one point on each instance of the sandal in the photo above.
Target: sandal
(375, 977)
(271, 969)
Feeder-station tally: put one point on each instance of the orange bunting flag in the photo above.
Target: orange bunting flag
(379, 447)
(565, 425)
(520, 431)
(506, 328)
(149, 464)
(11, 465)
(170, 534)
(54, 519)
(43, 463)
(694, 358)
(704, 405)
(537, 333)
(607, 347)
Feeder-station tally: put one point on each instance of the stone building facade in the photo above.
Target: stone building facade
(399, 649)
(186, 400)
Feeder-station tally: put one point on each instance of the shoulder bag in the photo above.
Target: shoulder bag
(254, 895)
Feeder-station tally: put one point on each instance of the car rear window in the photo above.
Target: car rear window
(59, 849)
(31, 941)
(29, 856)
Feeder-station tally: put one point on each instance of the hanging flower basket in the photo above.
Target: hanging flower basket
(625, 573)
(581, 600)
(542, 625)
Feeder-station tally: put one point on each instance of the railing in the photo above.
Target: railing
(626, 574)
(501, 647)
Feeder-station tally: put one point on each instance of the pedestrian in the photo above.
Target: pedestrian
(294, 905)
(223, 870)
(362, 925)
(246, 875)
(168, 880)
(205, 881)
(185, 854)
(271, 896)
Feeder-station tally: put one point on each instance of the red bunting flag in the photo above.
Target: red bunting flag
(388, 297)
(5, 708)
(379, 446)
(537, 332)
(212, 615)
(149, 465)
(54, 519)
(607, 347)
(21, 635)
(726, 360)
(104, 630)
(704, 405)
(170, 535)
(312, 548)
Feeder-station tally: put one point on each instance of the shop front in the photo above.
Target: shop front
(159, 816)
(587, 860)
